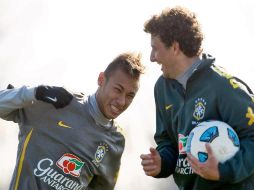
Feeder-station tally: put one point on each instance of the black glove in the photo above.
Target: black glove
(57, 96)
(10, 86)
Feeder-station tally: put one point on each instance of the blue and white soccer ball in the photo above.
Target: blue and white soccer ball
(222, 138)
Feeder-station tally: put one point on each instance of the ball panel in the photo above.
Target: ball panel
(210, 134)
(202, 156)
(233, 137)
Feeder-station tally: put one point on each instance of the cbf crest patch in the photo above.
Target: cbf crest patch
(100, 153)
(199, 110)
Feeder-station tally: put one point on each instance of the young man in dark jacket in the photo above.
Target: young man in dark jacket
(193, 89)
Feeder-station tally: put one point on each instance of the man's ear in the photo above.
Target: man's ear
(101, 78)
(176, 48)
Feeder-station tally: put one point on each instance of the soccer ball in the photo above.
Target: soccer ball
(222, 138)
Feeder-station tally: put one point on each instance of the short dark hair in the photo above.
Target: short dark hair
(129, 63)
(177, 25)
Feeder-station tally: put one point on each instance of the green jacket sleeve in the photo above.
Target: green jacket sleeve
(236, 107)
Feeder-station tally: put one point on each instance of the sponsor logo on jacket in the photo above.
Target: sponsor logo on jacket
(50, 176)
(182, 166)
(70, 164)
(182, 143)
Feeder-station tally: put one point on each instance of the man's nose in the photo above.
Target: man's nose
(152, 58)
(121, 100)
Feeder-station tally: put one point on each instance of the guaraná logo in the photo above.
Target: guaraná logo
(182, 143)
(70, 164)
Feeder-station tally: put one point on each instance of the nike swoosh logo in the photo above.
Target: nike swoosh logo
(168, 106)
(61, 124)
(52, 99)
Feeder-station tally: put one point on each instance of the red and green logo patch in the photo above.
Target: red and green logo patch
(70, 164)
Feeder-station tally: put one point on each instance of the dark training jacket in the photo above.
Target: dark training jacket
(211, 94)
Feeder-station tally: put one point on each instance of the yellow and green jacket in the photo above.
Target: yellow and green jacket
(210, 94)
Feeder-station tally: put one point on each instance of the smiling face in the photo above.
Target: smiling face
(116, 93)
(164, 56)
